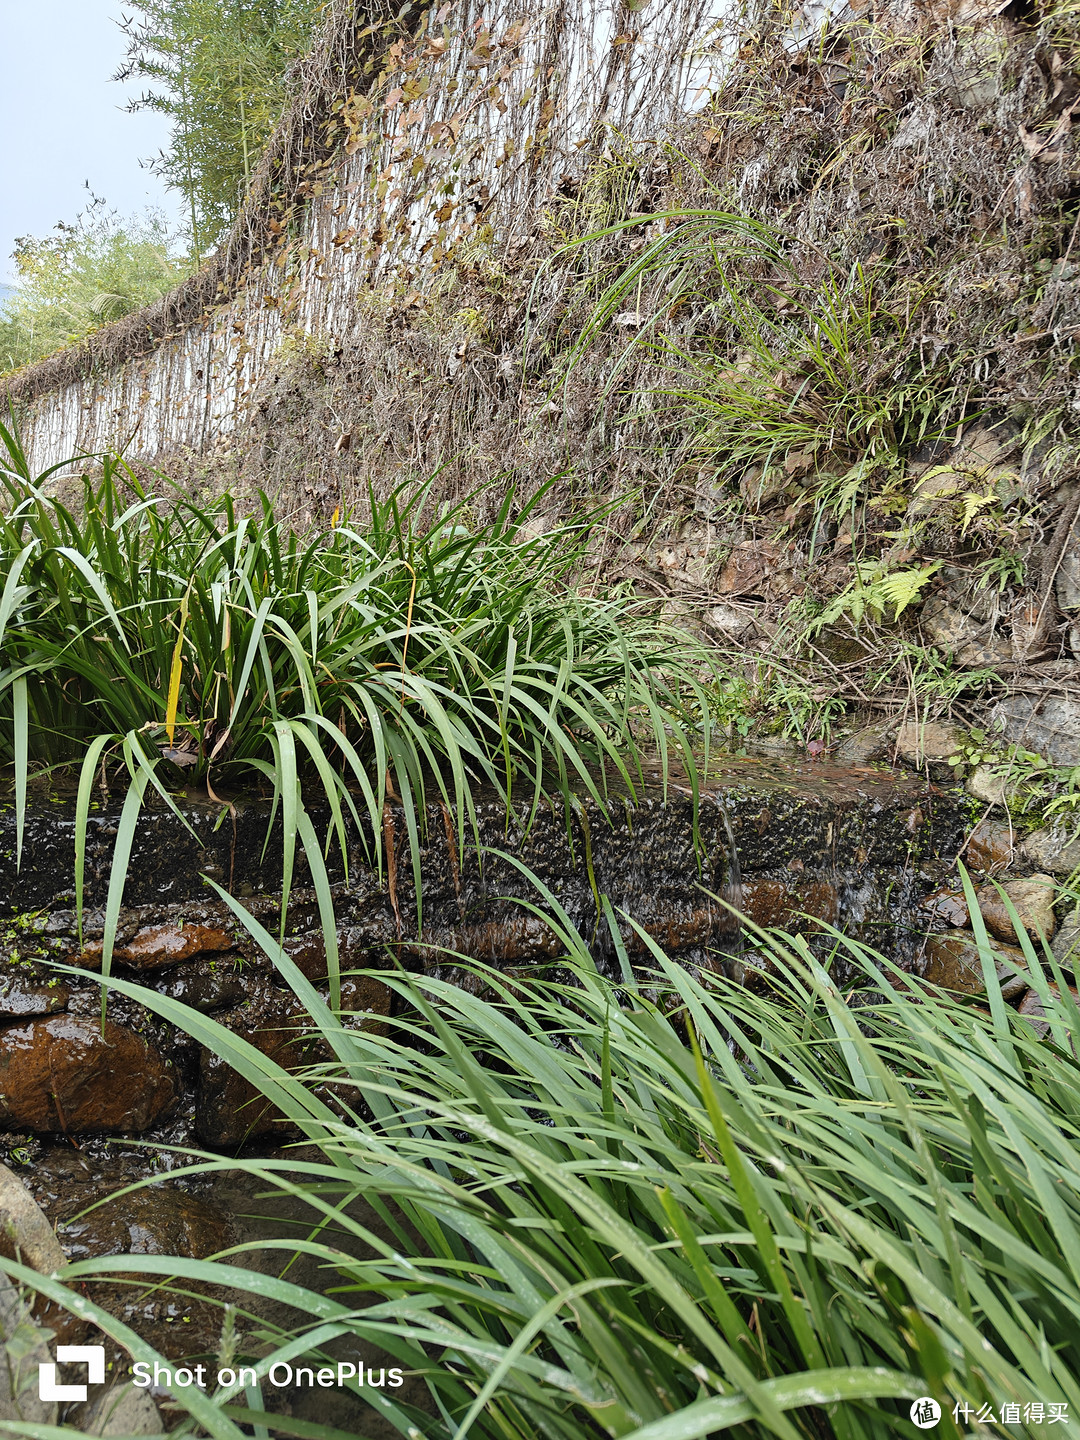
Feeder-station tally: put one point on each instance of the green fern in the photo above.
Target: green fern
(875, 591)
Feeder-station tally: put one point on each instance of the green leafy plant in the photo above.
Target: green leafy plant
(934, 681)
(402, 660)
(776, 355)
(1035, 790)
(217, 69)
(779, 1210)
(875, 592)
(1001, 571)
(83, 276)
(772, 698)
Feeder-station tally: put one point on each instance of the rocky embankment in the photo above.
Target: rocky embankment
(787, 844)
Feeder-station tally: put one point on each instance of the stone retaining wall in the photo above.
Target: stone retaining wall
(851, 847)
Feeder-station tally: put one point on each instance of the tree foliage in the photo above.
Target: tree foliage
(219, 70)
(84, 275)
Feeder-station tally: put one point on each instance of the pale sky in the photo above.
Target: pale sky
(62, 121)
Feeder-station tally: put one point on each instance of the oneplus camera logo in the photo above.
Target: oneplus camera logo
(92, 1356)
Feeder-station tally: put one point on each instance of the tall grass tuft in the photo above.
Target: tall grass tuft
(780, 1210)
(403, 658)
(772, 352)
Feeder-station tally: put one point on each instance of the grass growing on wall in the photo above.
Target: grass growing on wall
(785, 1211)
(409, 657)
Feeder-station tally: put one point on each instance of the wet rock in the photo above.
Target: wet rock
(65, 1075)
(774, 747)
(1034, 1011)
(229, 1110)
(987, 785)
(164, 945)
(1055, 849)
(516, 937)
(27, 1237)
(160, 946)
(864, 747)
(953, 962)
(947, 907)
(1033, 900)
(206, 985)
(857, 829)
(366, 1000)
(24, 995)
(1048, 725)
(122, 1409)
(929, 746)
(991, 846)
(684, 931)
(776, 902)
(160, 1220)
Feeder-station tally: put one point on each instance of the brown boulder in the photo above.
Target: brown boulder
(773, 902)
(947, 907)
(65, 1075)
(229, 1110)
(515, 937)
(1033, 900)
(206, 984)
(1034, 1012)
(160, 1220)
(953, 962)
(367, 1000)
(158, 946)
(991, 846)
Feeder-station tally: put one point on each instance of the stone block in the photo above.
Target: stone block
(988, 786)
(1033, 900)
(1054, 849)
(865, 746)
(929, 745)
(69, 1075)
(953, 961)
(1047, 725)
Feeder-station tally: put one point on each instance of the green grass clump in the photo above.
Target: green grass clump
(770, 356)
(782, 1211)
(414, 658)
